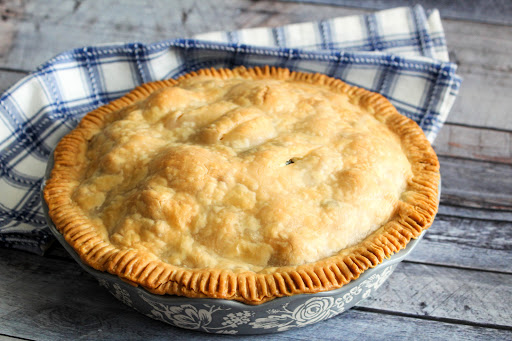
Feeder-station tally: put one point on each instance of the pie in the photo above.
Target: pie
(244, 184)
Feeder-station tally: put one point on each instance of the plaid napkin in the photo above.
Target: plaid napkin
(400, 53)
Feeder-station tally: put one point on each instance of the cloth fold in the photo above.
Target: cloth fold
(400, 53)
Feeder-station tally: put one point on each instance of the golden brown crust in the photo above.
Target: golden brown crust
(414, 213)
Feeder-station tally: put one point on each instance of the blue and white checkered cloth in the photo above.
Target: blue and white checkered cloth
(400, 53)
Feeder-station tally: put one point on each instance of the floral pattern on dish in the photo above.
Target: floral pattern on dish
(212, 318)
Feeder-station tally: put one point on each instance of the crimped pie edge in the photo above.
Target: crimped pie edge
(414, 213)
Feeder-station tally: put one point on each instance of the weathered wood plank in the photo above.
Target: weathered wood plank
(484, 99)
(476, 184)
(479, 234)
(475, 143)
(474, 213)
(468, 243)
(482, 54)
(9, 338)
(45, 29)
(441, 292)
(496, 12)
(55, 299)
(476, 47)
(8, 78)
(9, 15)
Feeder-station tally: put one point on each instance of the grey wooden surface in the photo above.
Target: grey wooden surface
(488, 11)
(456, 285)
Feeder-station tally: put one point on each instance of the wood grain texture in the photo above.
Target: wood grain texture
(442, 292)
(482, 52)
(54, 299)
(468, 243)
(474, 213)
(475, 143)
(9, 78)
(474, 183)
(44, 29)
(484, 97)
(9, 16)
(9, 338)
(492, 11)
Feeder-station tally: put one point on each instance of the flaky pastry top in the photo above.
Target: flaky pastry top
(241, 174)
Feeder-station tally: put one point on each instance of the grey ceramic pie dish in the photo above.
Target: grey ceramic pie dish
(232, 317)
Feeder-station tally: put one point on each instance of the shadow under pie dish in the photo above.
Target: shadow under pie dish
(243, 184)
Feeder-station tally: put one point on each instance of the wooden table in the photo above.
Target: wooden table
(456, 284)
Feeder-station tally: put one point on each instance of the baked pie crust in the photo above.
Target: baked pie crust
(244, 184)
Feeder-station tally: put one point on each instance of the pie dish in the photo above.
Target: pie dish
(222, 316)
(243, 184)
